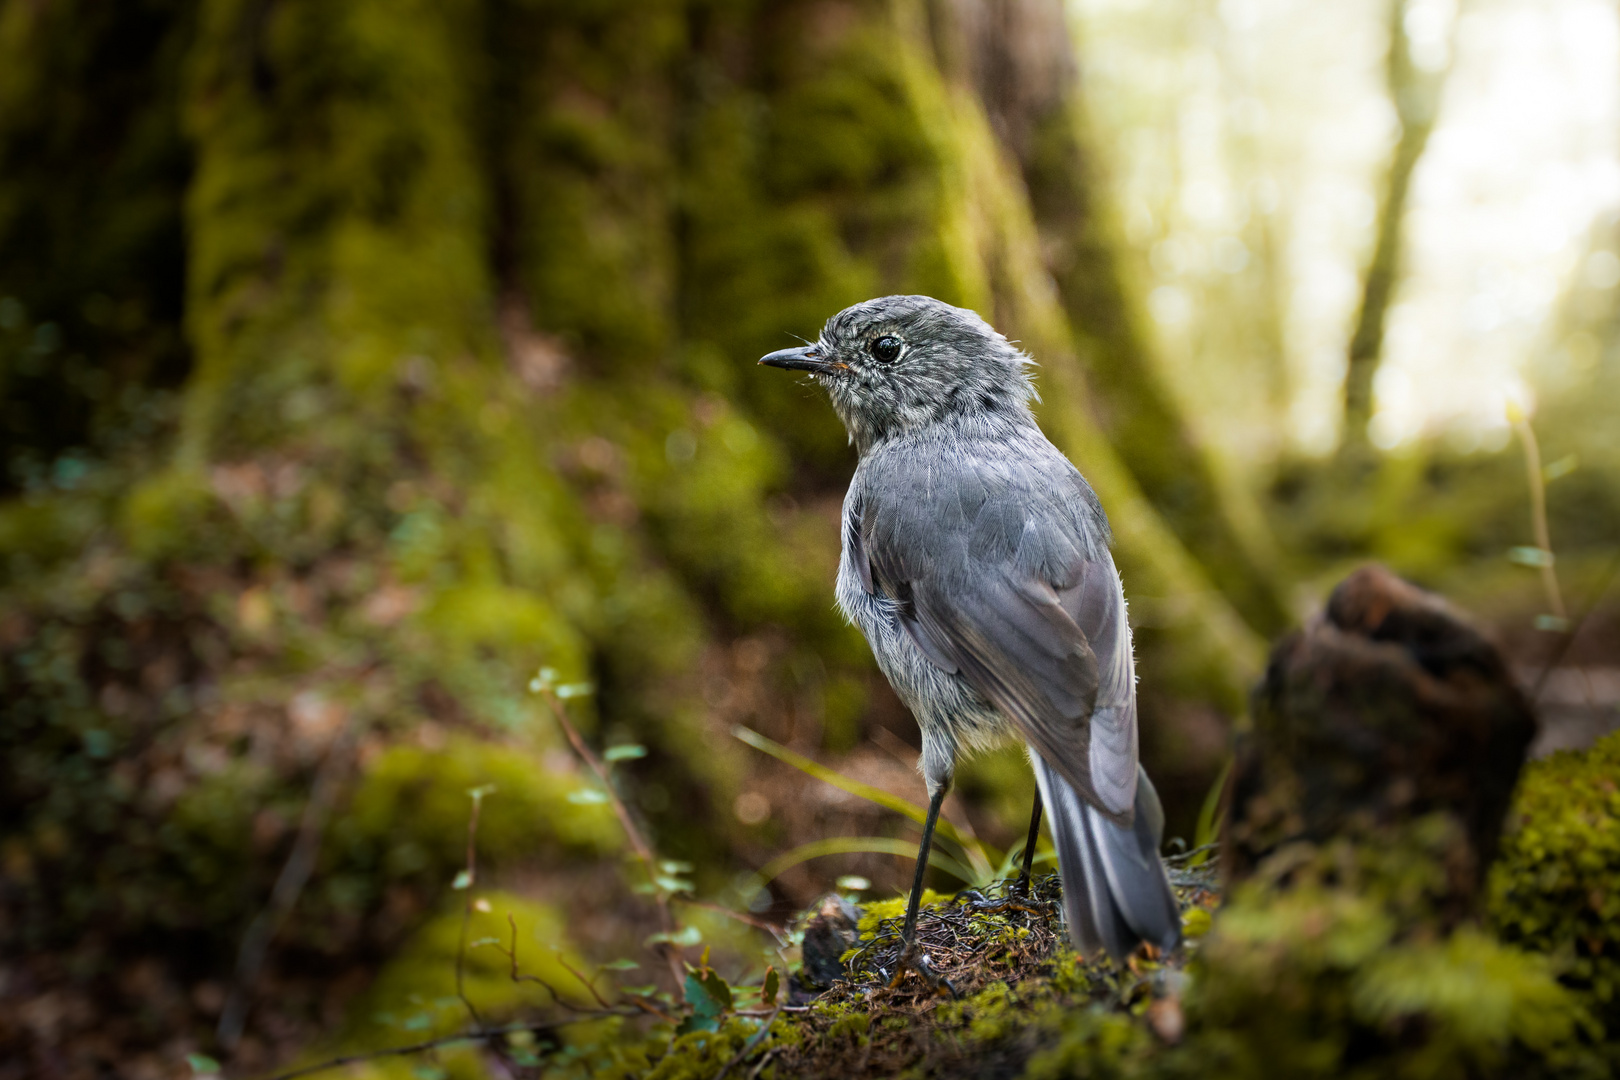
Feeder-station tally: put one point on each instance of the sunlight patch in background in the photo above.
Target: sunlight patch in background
(1249, 141)
(1520, 167)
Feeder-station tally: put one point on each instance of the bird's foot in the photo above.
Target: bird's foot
(1019, 901)
(912, 958)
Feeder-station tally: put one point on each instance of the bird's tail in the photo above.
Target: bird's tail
(1115, 892)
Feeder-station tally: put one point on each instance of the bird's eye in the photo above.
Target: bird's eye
(886, 349)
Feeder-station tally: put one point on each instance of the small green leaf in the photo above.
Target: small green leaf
(1562, 467)
(1556, 623)
(1530, 556)
(202, 1064)
(464, 879)
(481, 942)
(672, 884)
(671, 866)
(710, 999)
(620, 964)
(773, 983)
(98, 743)
(573, 690)
(544, 678)
(640, 991)
(587, 797)
(624, 752)
(685, 937)
(419, 1022)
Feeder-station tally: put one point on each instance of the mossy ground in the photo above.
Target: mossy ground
(1333, 961)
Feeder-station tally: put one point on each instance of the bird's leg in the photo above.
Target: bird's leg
(1019, 899)
(1029, 846)
(909, 933)
(909, 955)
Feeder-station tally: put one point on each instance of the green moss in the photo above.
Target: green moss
(591, 167)
(412, 804)
(167, 513)
(414, 997)
(1337, 962)
(1092, 1044)
(878, 911)
(804, 196)
(1555, 887)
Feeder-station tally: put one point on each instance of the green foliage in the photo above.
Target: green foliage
(710, 999)
(699, 1055)
(1092, 1044)
(1344, 967)
(1555, 887)
(415, 997)
(879, 911)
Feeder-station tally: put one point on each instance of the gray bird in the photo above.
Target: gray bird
(975, 560)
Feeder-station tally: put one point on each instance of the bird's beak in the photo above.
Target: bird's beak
(804, 358)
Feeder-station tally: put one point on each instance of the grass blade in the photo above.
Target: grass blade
(849, 845)
(1209, 816)
(972, 849)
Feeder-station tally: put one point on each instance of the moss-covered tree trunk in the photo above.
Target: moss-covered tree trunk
(469, 296)
(1018, 59)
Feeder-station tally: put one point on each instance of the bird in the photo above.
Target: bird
(975, 561)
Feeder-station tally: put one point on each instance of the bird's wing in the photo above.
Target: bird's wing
(1004, 577)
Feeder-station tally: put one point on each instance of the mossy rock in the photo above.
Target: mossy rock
(411, 808)
(1556, 887)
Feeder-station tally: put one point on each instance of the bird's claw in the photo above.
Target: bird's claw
(914, 959)
(982, 906)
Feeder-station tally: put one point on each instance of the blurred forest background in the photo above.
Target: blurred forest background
(359, 358)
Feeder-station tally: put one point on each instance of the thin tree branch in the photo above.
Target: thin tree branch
(478, 1035)
(1538, 515)
(1587, 610)
(583, 981)
(519, 977)
(289, 886)
(467, 907)
(638, 842)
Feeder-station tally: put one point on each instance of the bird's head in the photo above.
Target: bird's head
(899, 364)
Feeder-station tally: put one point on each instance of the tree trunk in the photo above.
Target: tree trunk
(1415, 93)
